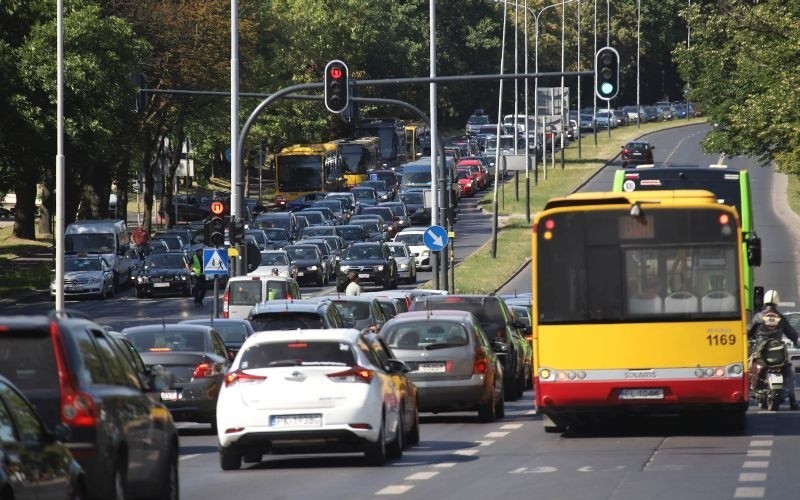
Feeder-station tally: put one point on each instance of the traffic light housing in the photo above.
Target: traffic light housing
(216, 236)
(606, 73)
(337, 86)
(236, 229)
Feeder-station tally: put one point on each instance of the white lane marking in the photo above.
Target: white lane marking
(750, 477)
(511, 426)
(764, 442)
(749, 492)
(187, 457)
(533, 470)
(421, 476)
(756, 464)
(466, 453)
(488, 442)
(530, 412)
(444, 465)
(759, 453)
(396, 489)
(496, 434)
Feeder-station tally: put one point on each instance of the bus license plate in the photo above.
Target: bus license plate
(774, 378)
(161, 285)
(431, 368)
(309, 420)
(641, 394)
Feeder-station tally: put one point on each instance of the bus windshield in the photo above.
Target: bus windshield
(353, 156)
(668, 264)
(299, 172)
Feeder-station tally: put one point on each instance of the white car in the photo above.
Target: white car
(308, 387)
(275, 259)
(413, 237)
(406, 263)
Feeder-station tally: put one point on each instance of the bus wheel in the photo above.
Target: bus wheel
(553, 425)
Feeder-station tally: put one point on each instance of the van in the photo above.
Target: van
(105, 237)
(244, 292)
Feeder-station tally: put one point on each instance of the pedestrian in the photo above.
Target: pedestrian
(198, 277)
(353, 288)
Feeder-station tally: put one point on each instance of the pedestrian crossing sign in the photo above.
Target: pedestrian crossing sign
(214, 262)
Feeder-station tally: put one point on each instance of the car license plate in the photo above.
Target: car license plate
(309, 420)
(299, 273)
(169, 395)
(641, 394)
(363, 275)
(431, 368)
(774, 378)
(160, 285)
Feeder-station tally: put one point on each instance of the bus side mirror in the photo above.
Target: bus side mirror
(754, 251)
(758, 297)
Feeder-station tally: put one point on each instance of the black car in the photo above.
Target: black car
(308, 260)
(372, 261)
(415, 204)
(29, 450)
(278, 236)
(498, 323)
(164, 274)
(637, 152)
(76, 375)
(365, 196)
(330, 257)
(196, 360)
(233, 331)
(295, 314)
(351, 233)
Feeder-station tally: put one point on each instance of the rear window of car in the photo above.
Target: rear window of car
(297, 353)
(289, 320)
(28, 360)
(412, 239)
(427, 335)
(486, 311)
(244, 293)
(231, 332)
(354, 310)
(167, 340)
(637, 147)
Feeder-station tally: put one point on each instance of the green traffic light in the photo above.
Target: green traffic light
(607, 88)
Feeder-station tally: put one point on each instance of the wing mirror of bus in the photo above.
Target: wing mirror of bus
(754, 251)
(758, 297)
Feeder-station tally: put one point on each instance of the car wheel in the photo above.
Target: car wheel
(375, 453)
(487, 411)
(395, 448)
(169, 486)
(320, 280)
(340, 287)
(252, 458)
(510, 387)
(387, 283)
(78, 493)
(110, 293)
(230, 458)
(139, 293)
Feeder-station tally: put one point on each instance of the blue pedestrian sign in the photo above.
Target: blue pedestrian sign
(215, 262)
(435, 238)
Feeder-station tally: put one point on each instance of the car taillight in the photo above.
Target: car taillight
(78, 409)
(203, 370)
(625, 152)
(481, 365)
(225, 304)
(354, 374)
(241, 377)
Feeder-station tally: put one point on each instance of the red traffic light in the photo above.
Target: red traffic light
(336, 72)
(217, 207)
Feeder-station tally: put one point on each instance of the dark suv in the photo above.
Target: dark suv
(295, 314)
(636, 152)
(76, 374)
(498, 323)
(372, 261)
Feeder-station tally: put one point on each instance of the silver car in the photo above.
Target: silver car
(273, 261)
(406, 263)
(86, 276)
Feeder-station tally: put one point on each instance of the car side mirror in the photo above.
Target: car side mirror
(398, 366)
(499, 347)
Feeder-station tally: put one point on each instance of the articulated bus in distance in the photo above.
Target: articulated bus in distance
(304, 168)
(392, 136)
(731, 187)
(359, 156)
(638, 307)
(418, 141)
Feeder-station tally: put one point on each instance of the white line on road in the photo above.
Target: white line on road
(749, 492)
(756, 464)
(466, 453)
(488, 442)
(444, 465)
(749, 477)
(511, 426)
(421, 476)
(496, 434)
(765, 442)
(396, 489)
(759, 453)
(187, 457)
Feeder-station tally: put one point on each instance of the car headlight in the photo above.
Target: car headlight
(404, 266)
(312, 268)
(184, 277)
(426, 253)
(94, 280)
(379, 267)
(344, 268)
(284, 274)
(143, 279)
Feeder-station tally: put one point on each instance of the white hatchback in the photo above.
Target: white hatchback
(291, 391)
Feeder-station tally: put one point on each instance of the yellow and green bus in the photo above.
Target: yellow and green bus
(731, 187)
(359, 156)
(638, 307)
(306, 168)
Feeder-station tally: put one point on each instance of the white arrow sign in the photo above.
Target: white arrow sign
(436, 238)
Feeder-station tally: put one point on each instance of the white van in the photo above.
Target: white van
(244, 292)
(105, 237)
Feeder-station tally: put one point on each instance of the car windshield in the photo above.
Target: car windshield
(274, 259)
(276, 234)
(350, 232)
(171, 260)
(301, 253)
(363, 252)
(427, 335)
(411, 239)
(478, 120)
(487, 311)
(297, 353)
(82, 265)
(398, 250)
(411, 198)
(363, 193)
(167, 339)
